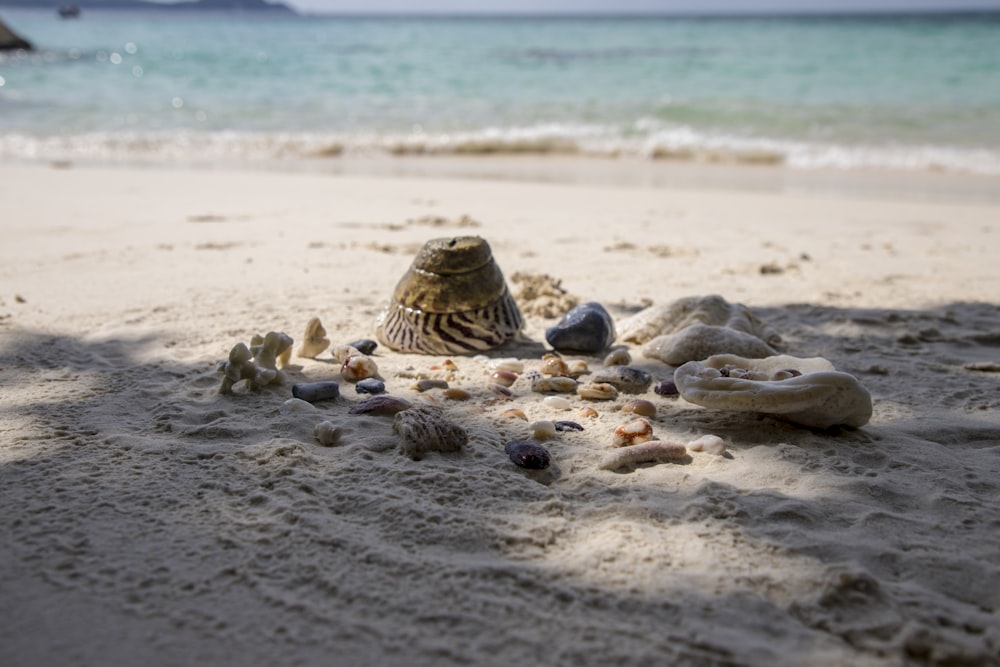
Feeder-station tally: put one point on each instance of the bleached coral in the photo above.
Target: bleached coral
(817, 396)
(256, 364)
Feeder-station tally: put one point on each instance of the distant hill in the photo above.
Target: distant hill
(184, 5)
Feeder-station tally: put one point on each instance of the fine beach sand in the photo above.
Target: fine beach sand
(147, 519)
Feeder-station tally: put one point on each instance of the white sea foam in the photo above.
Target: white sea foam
(678, 144)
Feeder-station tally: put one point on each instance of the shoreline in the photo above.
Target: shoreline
(868, 183)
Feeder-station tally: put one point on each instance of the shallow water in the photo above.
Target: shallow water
(906, 92)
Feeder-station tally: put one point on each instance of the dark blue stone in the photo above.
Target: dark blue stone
(527, 454)
(316, 391)
(369, 386)
(586, 328)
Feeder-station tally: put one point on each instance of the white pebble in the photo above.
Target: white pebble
(510, 364)
(543, 429)
(296, 406)
(710, 444)
(557, 402)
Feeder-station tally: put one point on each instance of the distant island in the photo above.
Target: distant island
(142, 5)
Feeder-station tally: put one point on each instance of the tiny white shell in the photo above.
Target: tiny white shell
(557, 402)
(358, 367)
(710, 444)
(326, 433)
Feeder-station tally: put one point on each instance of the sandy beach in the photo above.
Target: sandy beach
(145, 518)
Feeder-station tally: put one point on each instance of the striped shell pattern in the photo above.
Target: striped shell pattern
(452, 300)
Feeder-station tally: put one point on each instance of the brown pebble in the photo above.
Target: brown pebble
(640, 407)
(456, 394)
(515, 413)
(587, 411)
(428, 384)
(504, 378)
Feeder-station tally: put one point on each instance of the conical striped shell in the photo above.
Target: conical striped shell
(452, 300)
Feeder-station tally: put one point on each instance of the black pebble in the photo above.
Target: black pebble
(364, 345)
(527, 454)
(568, 426)
(369, 386)
(666, 388)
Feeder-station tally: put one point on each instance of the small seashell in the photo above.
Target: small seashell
(510, 365)
(553, 384)
(314, 341)
(587, 411)
(554, 365)
(578, 368)
(456, 394)
(500, 390)
(364, 345)
(586, 328)
(452, 300)
(785, 374)
(358, 367)
(427, 384)
(658, 451)
(449, 365)
(557, 402)
(640, 407)
(514, 413)
(344, 352)
(424, 429)
(633, 432)
(316, 391)
(710, 444)
(527, 454)
(296, 406)
(505, 378)
(564, 425)
(666, 388)
(740, 373)
(326, 433)
(380, 405)
(618, 357)
(370, 386)
(597, 391)
(541, 430)
(627, 379)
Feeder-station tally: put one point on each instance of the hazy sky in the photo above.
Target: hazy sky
(562, 6)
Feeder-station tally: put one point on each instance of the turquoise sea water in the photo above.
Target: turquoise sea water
(902, 92)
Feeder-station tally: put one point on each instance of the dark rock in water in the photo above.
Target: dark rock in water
(369, 386)
(380, 405)
(527, 454)
(587, 328)
(11, 41)
(316, 391)
(364, 345)
(568, 426)
(666, 388)
(626, 379)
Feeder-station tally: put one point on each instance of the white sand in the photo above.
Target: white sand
(146, 519)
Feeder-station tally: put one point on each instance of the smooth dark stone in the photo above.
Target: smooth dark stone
(364, 345)
(369, 386)
(527, 454)
(587, 328)
(666, 388)
(316, 391)
(568, 426)
(626, 379)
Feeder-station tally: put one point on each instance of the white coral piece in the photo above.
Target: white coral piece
(314, 341)
(820, 397)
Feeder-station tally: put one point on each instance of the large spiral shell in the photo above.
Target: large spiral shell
(452, 300)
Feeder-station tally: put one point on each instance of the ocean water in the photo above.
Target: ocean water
(905, 92)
